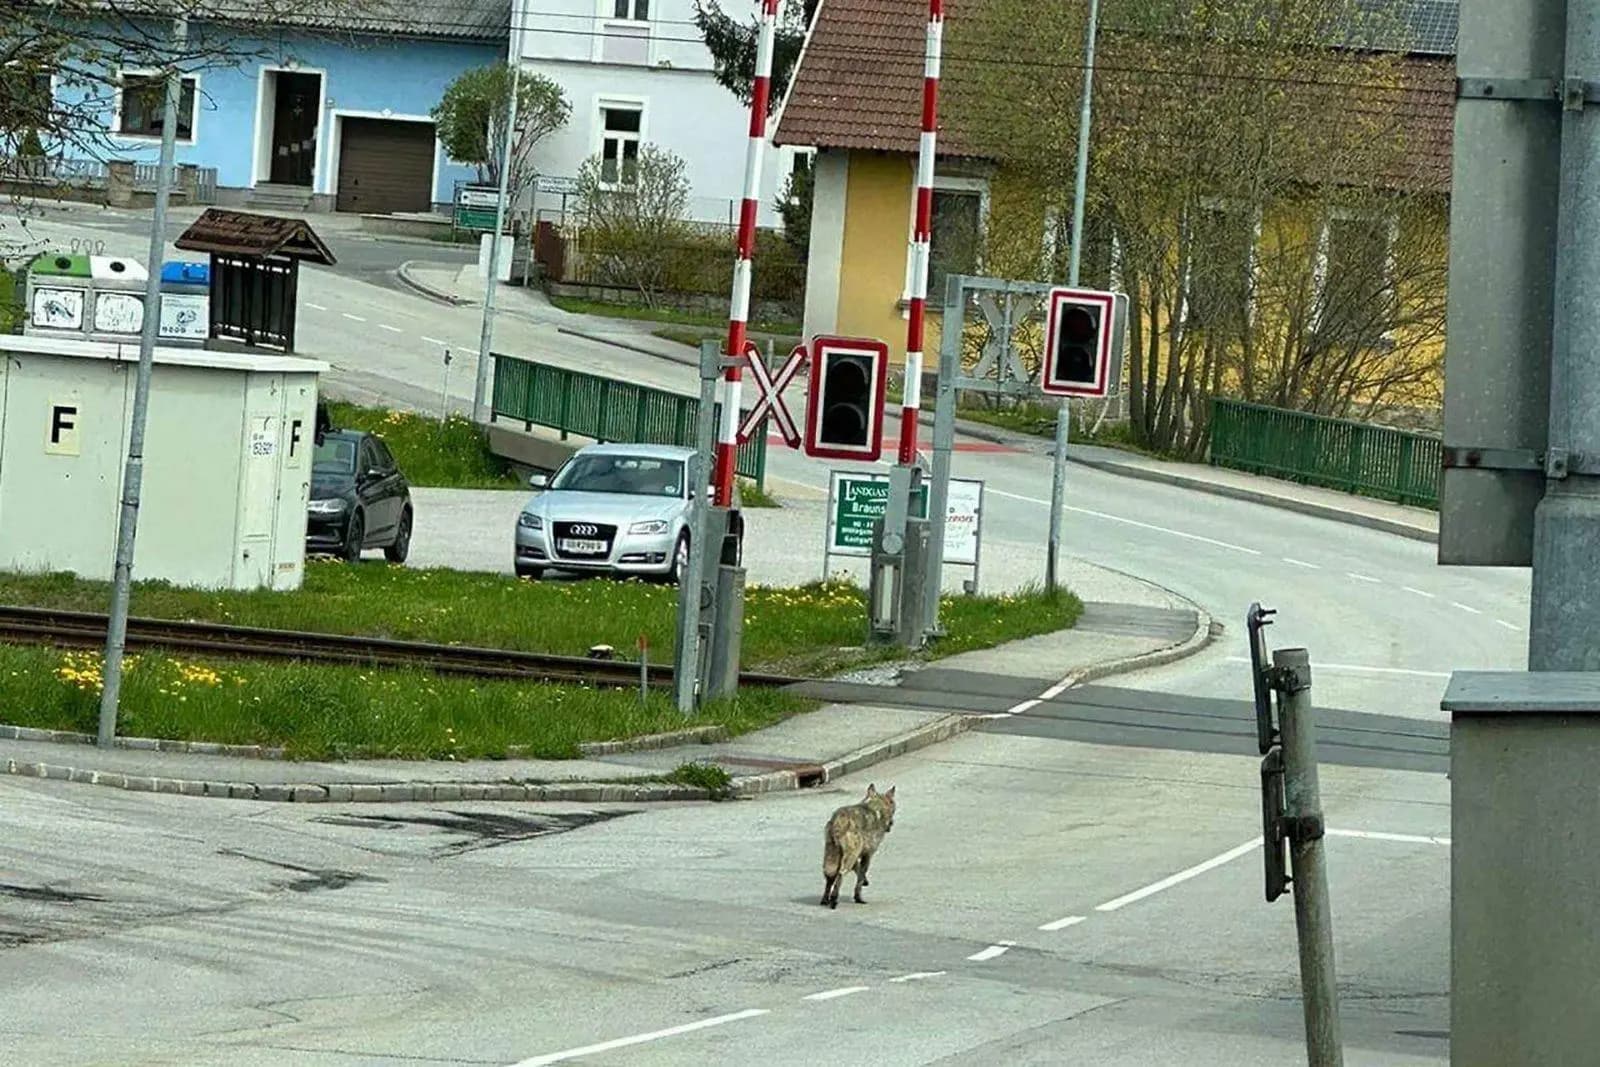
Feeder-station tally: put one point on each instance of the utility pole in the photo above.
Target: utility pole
(1313, 914)
(149, 331)
(480, 391)
(1058, 480)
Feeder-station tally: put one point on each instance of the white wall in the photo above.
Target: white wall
(831, 175)
(663, 64)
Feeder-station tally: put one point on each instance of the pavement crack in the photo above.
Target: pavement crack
(703, 968)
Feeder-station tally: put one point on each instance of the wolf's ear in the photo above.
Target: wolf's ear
(890, 793)
(872, 789)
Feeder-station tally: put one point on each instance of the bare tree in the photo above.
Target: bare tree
(632, 213)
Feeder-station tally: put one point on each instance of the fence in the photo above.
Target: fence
(607, 410)
(94, 174)
(1356, 457)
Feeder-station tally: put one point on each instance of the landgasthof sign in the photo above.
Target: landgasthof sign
(858, 499)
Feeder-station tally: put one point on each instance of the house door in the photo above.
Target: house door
(385, 165)
(297, 102)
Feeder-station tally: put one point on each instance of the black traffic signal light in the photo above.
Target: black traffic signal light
(1078, 343)
(844, 409)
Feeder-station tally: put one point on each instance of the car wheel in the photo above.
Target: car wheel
(680, 560)
(397, 552)
(355, 537)
(535, 573)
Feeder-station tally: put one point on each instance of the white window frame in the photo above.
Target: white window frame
(149, 72)
(260, 160)
(609, 101)
(1319, 278)
(946, 183)
(606, 19)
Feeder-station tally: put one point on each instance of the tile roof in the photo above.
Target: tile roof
(243, 233)
(860, 81)
(463, 20)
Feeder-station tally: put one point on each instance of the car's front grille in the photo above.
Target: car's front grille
(596, 534)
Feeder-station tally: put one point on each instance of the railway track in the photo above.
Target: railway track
(78, 629)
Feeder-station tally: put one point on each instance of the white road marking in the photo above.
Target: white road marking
(1356, 668)
(1182, 876)
(917, 976)
(1291, 561)
(1062, 924)
(830, 994)
(997, 949)
(1026, 705)
(1513, 627)
(1130, 522)
(1060, 687)
(1468, 608)
(352, 318)
(1379, 835)
(640, 1039)
(315, 307)
(391, 329)
(1363, 577)
(1417, 592)
(436, 341)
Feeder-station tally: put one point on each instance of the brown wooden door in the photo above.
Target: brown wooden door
(385, 165)
(294, 127)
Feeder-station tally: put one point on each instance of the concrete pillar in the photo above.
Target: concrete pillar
(119, 183)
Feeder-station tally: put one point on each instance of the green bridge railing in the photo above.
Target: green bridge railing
(588, 405)
(1334, 453)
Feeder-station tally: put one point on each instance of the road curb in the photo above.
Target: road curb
(1253, 496)
(9, 732)
(941, 729)
(695, 735)
(432, 293)
(1206, 631)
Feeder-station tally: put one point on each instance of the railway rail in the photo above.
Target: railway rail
(79, 629)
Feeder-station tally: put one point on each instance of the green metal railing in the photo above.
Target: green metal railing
(587, 405)
(1334, 453)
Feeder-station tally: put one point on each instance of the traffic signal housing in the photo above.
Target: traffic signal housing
(845, 395)
(1078, 330)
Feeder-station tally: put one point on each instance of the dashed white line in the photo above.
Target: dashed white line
(1417, 592)
(1513, 627)
(640, 1039)
(831, 994)
(391, 329)
(1363, 577)
(1468, 608)
(315, 307)
(1379, 835)
(1131, 522)
(1182, 876)
(352, 318)
(999, 948)
(1062, 924)
(436, 341)
(1291, 561)
(917, 976)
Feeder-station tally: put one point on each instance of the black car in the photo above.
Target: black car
(359, 498)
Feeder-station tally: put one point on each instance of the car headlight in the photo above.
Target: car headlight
(326, 507)
(652, 526)
(529, 521)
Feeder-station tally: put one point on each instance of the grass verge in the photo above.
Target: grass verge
(752, 495)
(452, 454)
(332, 712)
(1039, 420)
(783, 343)
(667, 315)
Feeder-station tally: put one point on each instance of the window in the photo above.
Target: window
(955, 235)
(143, 106)
(620, 126)
(631, 10)
(1221, 269)
(1356, 274)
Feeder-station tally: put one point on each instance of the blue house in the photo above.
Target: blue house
(315, 112)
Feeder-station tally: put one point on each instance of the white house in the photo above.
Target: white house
(637, 71)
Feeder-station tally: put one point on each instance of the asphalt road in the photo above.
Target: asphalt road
(157, 930)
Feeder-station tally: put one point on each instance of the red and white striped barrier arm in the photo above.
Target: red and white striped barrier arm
(739, 310)
(911, 402)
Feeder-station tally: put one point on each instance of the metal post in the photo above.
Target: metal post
(687, 662)
(486, 337)
(444, 390)
(1058, 492)
(1058, 478)
(133, 472)
(1565, 607)
(944, 443)
(1313, 915)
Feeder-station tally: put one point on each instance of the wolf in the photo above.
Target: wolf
(853, 836)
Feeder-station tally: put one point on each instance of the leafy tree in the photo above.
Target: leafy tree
(472, 121)
(794, 205)
(733, 46)
(633, 228)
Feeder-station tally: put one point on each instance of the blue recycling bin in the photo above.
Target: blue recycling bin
(185, 303)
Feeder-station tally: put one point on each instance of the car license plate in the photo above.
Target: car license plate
(584, 548)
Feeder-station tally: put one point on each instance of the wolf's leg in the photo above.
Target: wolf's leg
(866, 861)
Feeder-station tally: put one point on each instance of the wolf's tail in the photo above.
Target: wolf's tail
(832, 854)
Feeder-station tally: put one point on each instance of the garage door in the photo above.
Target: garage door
(385, 166)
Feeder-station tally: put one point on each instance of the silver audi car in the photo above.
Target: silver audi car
(617, 508)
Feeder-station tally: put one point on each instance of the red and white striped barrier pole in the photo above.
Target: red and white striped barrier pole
(911, 402)
(739, 310)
